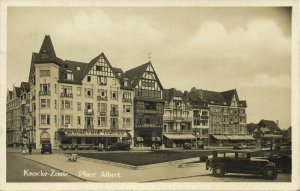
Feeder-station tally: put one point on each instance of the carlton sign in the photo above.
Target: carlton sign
(93, 132)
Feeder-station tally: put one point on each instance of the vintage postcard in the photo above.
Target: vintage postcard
(138, 95)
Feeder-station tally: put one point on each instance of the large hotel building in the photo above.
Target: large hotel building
(69, 102)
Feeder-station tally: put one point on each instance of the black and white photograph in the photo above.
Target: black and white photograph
(150, 95)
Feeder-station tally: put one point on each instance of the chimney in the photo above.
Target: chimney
(277, 122)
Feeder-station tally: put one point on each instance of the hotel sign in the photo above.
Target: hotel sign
(93, 132)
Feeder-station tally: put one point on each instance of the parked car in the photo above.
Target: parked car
(239, 146)
(200, 145)
(46, 147)
(187, 146)
(63, 147)
(240, 161)
(282, 162)
(123, 146)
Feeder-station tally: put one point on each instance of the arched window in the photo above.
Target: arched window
(45, 137)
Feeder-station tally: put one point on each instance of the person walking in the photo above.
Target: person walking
(30, 148)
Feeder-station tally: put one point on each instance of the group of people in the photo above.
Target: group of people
(27, 148)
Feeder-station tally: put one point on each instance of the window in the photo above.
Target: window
(45, 103)
(44, 54)
(126, 122)
(69, 76)
(88, 105)
(55, 119)
(66, 104)
(102, 93)
(44, 73)
(78, 68)
(127, 95)
(78, 106)
(114, 82)
(102, 80)
(88, 78)
(88, 92)
(99, 68)
(66, 119)
(44, 87)
(55, 88)
(78, 120)
(114, 95)
(103, 107)
(55, 104)
(79, 91)
(45, 119)
(125, 83)
(126, 108)
(103, 121)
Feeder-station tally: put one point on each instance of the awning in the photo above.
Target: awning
(139, 139)
(220, 137)
(239, 137)
(180, 136)
(272, 136)
(155, 138)
(92, 132)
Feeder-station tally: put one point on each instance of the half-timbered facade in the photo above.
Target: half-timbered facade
(148, 104)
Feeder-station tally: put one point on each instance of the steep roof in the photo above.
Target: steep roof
(46, 53)
(196, 101)
(26, 86)
(169, 94)
(228, 95)
(117, 70)
(92, 63)
(271, 125)
(218, 98)
(251, 127)
(72, 66)
(135, 74)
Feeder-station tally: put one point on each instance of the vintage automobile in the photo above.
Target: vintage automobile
(46, 147)
(240, 161)
(187, 146)
(282, 162)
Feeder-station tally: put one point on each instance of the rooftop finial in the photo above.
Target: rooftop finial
(149, 55)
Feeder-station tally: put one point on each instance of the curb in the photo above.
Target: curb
(132, 167)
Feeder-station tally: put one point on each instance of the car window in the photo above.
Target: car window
(242, 155)
(230, 155)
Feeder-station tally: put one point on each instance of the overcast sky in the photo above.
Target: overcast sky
(210, 48)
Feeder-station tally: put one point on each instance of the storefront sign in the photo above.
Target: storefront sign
(94, 132)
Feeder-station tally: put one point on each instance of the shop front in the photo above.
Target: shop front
(230, 140)
(173, 140)
(93, 137)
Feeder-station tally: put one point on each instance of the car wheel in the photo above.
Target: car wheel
(270, 173)
(218, 171)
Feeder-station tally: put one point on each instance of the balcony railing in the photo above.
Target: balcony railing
(66, 95)
(170, 118)
(114, 113)
(101, 98)
(149, 125)
(127, 100)
(102, 113)
(180, 131)
(178, 107)
(45, 92)
(89, 126)
(89, 111)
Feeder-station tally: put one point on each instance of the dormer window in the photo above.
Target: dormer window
(44, 54)
(69, 75)
(66, 65)
(125, 83)
(78, 68)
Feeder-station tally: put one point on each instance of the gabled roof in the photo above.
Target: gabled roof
(228, 95)
(72, 66)
(92, 63)
(271, 125)
(218, 98)
(169, 94)
(251, 127)
(196, 101)
(26, 86)
(135, 74)
(117, 70)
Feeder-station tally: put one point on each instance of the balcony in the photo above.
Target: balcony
(169, 118)
(23, 101)
(89, 112)
(114, 113)
(178, 107)
(70, 95)
(101, 98)
(89, 126)
(45, 92)
(149, 125)
(128, 100)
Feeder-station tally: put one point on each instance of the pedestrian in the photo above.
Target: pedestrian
(30, 148)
